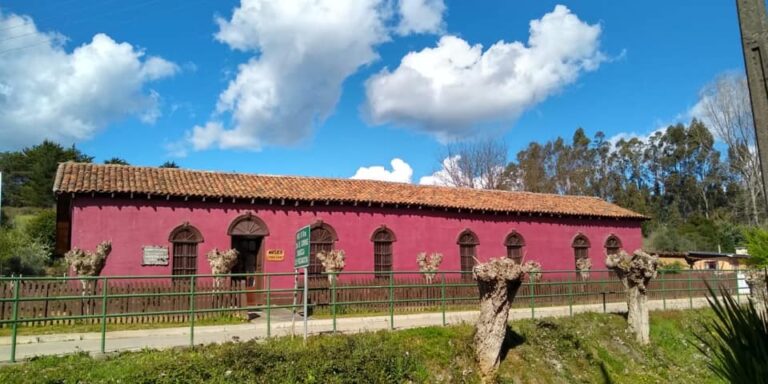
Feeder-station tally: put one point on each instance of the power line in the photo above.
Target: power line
(63, 14)
(179, 5)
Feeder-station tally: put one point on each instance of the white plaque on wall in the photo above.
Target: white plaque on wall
(154, 255)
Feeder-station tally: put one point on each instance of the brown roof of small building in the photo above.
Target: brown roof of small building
(98, 178)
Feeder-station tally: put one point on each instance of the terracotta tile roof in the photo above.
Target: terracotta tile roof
(87, 178)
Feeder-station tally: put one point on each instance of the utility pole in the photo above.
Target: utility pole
(754, 43)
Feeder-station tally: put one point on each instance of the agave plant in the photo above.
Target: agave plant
(736, 341)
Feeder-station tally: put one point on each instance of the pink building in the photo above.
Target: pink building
(164, 221)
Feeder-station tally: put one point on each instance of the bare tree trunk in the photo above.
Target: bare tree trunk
(757, 281)
(635, 272)
(753, 198)
(637, 314)
(495, 300)
(498, 281)
(706, 204)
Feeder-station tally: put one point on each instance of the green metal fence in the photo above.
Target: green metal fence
(350, 292)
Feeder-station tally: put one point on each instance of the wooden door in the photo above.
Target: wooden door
(249, 260)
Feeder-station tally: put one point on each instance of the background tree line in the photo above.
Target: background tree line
(699, 182)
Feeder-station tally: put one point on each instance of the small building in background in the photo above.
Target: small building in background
(163, 221)
(699, 260)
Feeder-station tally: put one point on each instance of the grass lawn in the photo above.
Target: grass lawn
(586, 348)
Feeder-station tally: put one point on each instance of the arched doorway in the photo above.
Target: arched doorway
(247, 233)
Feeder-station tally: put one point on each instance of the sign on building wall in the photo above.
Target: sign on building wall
(275, 255)
(154, 255)
(302, 248)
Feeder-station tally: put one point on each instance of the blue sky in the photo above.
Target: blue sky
(627, 68)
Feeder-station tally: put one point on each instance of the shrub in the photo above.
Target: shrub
(42, 227)
(20, 254)
(736, 341)
(757, 246)
(672, 268)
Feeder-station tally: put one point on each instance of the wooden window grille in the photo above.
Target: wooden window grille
(320, 240)
(580, 247)
(184, 259)
(467, 251)
(612, 245)
(515, 244)
(382, 253)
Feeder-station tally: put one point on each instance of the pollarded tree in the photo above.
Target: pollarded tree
(221, 263)
(756, 276)
(87, 263)
(428, 265)
(583, 266)
(498, 281)
(333, 263)
(635, 272)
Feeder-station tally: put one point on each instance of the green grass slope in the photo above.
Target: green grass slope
(588, 348)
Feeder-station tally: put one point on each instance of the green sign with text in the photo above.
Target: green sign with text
(302, 248)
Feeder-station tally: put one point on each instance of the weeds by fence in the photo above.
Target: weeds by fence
(37, 301)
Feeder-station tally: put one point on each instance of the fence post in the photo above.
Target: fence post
(192, 311)
(570, 296)
(269, 305)
(104, 292)
(533, 299)
(333, 299)
(690, 289)
(442, 296)
(391, 300)
(603, 290)
(663, 290)
(15, 317)
(738, 291)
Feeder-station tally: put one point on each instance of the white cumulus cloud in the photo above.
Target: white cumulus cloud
(420, 16)
(451, 89)
(401, 172)
(47, 92)
(304, 49)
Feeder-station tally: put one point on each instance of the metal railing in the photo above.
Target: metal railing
(400, 292)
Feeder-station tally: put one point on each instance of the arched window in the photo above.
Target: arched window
(467, 250)
(515, 243)
(612, 245)
(184, 239)
(322, 238)
(580, 247)
(382, 251)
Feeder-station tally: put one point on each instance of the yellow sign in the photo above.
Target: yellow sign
(275, 255)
